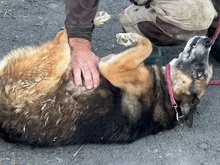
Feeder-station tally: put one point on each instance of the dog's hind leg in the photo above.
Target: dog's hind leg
(131, 58)
(126, 67)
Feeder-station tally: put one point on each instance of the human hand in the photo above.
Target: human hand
(84, 63)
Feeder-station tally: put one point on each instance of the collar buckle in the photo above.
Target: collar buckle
(178, 117)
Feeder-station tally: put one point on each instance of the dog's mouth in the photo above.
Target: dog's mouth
(187, 120)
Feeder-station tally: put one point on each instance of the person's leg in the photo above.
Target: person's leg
(156, 35)
(134, 22)
(145, 21)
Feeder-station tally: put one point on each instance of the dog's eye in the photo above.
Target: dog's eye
(200, 73)
(193, 45)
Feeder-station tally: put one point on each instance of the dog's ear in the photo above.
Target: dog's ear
(188, 106)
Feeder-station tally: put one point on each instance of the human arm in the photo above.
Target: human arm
(84, 63)
(79, 25)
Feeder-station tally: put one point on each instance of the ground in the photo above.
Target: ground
(31, 22)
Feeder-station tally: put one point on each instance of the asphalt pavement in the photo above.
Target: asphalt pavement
(30, 22)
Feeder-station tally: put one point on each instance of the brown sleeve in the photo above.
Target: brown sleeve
(79, 17)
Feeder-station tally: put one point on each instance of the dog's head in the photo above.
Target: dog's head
(190, 76)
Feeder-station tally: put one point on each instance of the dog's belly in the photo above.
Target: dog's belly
(71, 115)
(67, 116)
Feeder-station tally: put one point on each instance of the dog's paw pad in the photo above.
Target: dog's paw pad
(127, 39)
(101, 17)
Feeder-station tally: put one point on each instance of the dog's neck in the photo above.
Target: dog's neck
(170, 89)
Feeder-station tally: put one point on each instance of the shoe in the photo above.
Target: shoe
(155, 57)
(215, 50)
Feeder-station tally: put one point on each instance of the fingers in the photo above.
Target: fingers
(95, 76)
(91, 77)
(77, 75)
(85, 69)
(84, 63)
(87, 73)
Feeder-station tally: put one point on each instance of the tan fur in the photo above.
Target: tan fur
(29, 82)
(122, 70)
(35, 71)
(40, 105)
(180, 80)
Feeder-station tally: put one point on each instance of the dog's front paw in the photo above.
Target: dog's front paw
(127, 39)
(101, 17)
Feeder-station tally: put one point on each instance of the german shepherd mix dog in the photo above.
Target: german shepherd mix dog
(41, 106)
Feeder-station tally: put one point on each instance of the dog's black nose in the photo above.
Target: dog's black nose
(207, 42)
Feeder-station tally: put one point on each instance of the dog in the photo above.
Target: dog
(41, 106)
